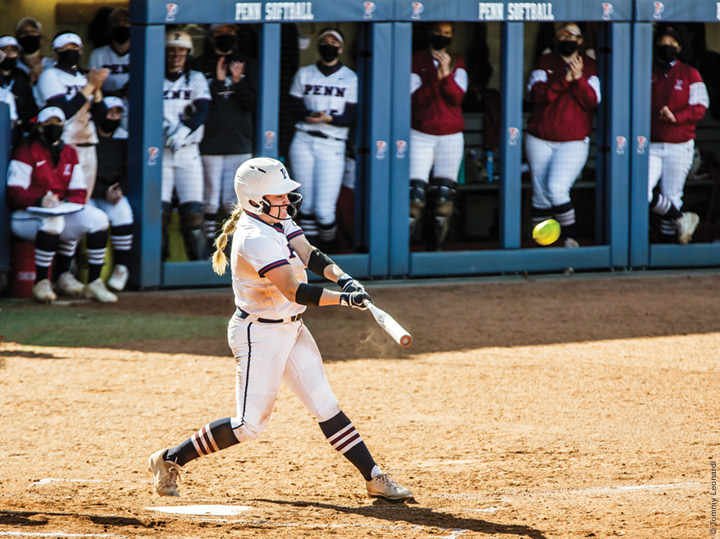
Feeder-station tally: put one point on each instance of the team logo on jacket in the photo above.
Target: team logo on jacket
(620, 145)
(68, 170)
(608, 10)
(401, 149)
(153, 154)
(269, 139)
(658, 10)
(417, 9)
(641, 144)
(513, 136)
(678, 85)
(369, 10)
(380, 149)
(171, 12)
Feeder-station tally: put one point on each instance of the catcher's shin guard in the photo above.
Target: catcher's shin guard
(166, 216)
(192, 225)
(418, 200)
(442, 199)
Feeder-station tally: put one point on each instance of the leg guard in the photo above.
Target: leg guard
(442, 200)
(418, 200)
(166, 216)
(192, 225)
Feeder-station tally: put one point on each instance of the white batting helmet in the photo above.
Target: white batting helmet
(179, 38)
(262, 176)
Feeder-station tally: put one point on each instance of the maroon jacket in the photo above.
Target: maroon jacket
(683, 91)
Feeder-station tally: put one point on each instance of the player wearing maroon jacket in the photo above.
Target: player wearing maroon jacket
(679, 101)
(565, 90)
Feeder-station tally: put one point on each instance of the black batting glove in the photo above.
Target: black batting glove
(348, 284)
(356, 300)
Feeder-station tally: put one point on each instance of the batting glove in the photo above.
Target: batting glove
(348, 284)
(177, 139)
(356, 300)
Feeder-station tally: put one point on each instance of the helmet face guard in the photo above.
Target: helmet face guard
(293, 207)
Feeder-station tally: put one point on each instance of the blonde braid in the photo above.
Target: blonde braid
(219, 260)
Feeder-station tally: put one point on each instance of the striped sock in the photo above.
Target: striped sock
(565, 215)
(210, 227)
(660, 205)
(327, 233)
(343, 436)
(96, 244)
(309, 225)
(211, 438)
(65, 254)
(122, 240)
(45, 247)
(539, 215)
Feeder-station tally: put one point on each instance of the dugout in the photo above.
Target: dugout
(697, 23)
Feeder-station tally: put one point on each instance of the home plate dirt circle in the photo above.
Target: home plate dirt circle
(212, 510)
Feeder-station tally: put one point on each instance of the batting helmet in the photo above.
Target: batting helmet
(179, 38)
(262, 176)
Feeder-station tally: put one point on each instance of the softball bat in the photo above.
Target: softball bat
(398, 333)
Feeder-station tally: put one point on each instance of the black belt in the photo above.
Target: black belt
(320, 134)
(243, 314)
(84, 144)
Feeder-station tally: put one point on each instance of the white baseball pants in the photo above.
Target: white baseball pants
(87, 159)
(219, 172)
(440, 153)
(182, 170)
(669, 164)
(70, 227)
(118, 214)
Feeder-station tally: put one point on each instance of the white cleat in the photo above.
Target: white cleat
(69, 285)
(384, 486)
(119, 277)
(686, 226)
(96, 290)
(571, 243)
(166, 474)
(43, 292)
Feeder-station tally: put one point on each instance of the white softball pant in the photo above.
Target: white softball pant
(319, 165)
(440, 153)
(266, 355)
(87, 159)
(119, 214)
(219, 173)
(182, 170)
(669, 165)
(70, 227)
(554, 166)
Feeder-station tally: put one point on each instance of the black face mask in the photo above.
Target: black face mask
(68, 59)
(439, 42)
(120, 34)
(666, 53)
(328, 52)
(225, 43)
(29, 44)
(566, 48)
(109, 126)
(52, 133)
(8, 64)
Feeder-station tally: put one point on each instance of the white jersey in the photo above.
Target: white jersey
(178, 95)
(257, 248)
(7, 97)
(117, 64)
(54, 82)
(325, 93)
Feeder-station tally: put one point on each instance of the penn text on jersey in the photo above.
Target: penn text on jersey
(516, 11)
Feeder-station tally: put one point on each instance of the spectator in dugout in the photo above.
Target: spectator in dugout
(79, 96)
(109, 193)
(438, 85)
(8, 98)
(18, 82)
(115, 57)
(28, 32)
(230, 127)
(43, 175)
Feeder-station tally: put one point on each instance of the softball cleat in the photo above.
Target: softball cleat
(68, 285)
(119, 277)
(166, 474)
(42, 291)
(384, 486)
(96, 290)
(686, 226)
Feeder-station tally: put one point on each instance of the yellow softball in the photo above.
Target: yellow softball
(546, 232)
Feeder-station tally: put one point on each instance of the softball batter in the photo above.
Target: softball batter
(269, 341)
(326, 96)
(565, 90)
(679, 101)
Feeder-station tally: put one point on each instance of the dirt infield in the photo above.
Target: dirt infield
(541, 408)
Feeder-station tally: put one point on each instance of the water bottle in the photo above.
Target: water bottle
(489, 165)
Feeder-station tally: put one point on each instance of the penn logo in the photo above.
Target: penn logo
(513, 136)
(269, 139)
(380, 149)
(369, 10)
(171, 12)
(417, 9)
(607, 11)
(400, 149)
(153, 154)
(642, 143)
(658, 10)
(620, 145)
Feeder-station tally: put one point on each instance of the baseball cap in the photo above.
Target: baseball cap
(331, 32)
(28, 20)
(50, 112)
(113, 101)
(9, 41)
(667, 30)
(570, 28)
(64, 39)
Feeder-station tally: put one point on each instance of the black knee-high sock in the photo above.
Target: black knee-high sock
(211, 438)
(46, 246)
(343, 436)
(660, 205)
(122, 238)
(565, 215)
(538, 215)
(95, 245)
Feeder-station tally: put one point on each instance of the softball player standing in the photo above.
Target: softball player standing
(679, 101)
(269, 341)
(438, 85)
(565, 89)
(326, 95)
